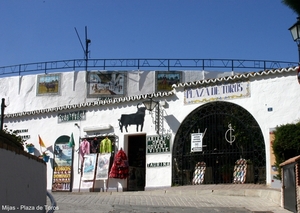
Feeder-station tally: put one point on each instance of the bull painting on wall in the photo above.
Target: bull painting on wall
(106, 84)
(165, 80)
(133, 119)
(48, 84)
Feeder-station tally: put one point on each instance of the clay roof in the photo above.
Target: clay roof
(291, 160)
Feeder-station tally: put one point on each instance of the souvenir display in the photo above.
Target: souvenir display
(240, 170)
(199, 173)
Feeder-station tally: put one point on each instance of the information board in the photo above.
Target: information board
(196, 142)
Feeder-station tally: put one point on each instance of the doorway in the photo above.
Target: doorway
(137, 162)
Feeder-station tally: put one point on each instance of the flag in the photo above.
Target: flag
(41, 142)
(71, 141)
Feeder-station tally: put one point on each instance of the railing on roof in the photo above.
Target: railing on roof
(144, 64)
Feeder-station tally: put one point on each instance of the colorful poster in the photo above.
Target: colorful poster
(103, 166)
(63, 163)
(165, 80)
(48, 84)
(106, 84)
(89, 165)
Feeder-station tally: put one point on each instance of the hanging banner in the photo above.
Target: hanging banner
(217, 92)
(63, 163)
(196, 142)
(89, 166)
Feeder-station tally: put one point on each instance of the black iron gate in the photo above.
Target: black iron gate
(218, 153)
(289, 184)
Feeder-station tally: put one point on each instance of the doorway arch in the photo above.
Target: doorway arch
(219, 155)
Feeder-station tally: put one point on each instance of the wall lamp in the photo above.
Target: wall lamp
(295, 31)
(150, 105)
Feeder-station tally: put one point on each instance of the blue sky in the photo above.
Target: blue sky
(43, 30)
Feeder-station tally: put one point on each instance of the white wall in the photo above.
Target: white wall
(279, 91)
(23, 181)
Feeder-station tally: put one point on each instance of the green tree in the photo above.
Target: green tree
(293, 4)
(286, 143)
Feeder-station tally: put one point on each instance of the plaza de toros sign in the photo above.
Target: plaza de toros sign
(217, 92)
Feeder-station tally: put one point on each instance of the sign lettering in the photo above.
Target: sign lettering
(158, 144)
(159, 164)
(71, 116)
(217, 92)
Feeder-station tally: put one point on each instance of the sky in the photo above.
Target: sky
(35, 31)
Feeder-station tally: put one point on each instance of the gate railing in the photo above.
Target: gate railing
(145, 64)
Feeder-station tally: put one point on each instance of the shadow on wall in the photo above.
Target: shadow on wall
(173, 122)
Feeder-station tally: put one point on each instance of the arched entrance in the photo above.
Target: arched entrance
(218, 154)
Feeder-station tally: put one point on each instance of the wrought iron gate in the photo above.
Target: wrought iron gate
(218, 153)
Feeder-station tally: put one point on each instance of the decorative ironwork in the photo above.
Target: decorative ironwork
(231, 136)
(159, 119)
(218, 154)
(145, 64)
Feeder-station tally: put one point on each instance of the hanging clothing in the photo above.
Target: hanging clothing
(120, 167)
(94, 146)
(84, 149)
(105, 146)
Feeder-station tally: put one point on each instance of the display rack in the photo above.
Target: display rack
(240, 171)
(199, 173)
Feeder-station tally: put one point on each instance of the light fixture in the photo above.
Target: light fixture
(150, 104)
(295, 31)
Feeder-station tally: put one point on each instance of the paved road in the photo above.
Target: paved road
(164, 201)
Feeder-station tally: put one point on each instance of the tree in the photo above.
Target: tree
(293, 4)
(286, 144)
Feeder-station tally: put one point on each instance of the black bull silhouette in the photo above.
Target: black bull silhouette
(136, 118)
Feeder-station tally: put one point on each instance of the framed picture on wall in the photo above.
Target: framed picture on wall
(165, 79)
(48, 84)
(107, 84)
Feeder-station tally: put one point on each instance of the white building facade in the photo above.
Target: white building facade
(233, 114)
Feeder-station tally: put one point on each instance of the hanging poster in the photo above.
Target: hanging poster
(63, 163)
(89, 165)
(103, 166)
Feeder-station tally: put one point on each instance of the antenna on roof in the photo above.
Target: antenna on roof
(86, 49)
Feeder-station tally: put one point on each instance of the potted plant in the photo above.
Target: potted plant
(45, 156)
(30, 147)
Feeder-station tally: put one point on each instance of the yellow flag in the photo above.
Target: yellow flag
(41, 142)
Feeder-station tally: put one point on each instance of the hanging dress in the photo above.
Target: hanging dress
(120, 167)
(84, 149)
